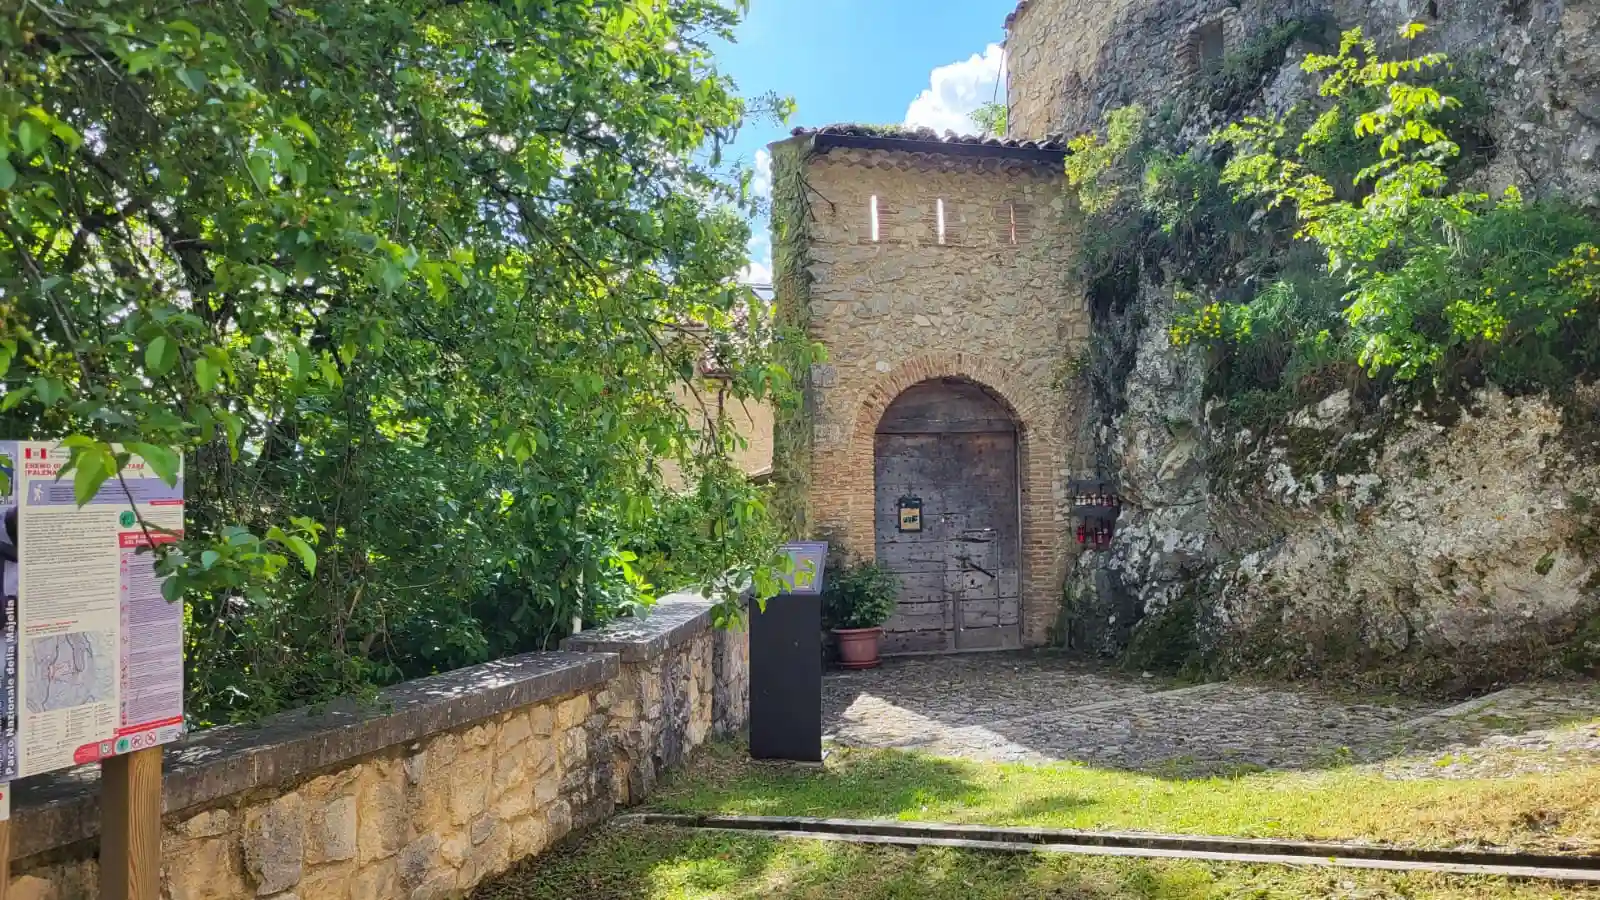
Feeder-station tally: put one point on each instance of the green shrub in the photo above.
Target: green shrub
(1439, 278)
(859, 595)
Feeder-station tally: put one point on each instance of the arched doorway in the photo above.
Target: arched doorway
(946, 450)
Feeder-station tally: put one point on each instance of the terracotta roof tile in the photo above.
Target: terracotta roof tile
(928, 135)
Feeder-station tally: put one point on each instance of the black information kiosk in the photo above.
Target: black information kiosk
(786, 663)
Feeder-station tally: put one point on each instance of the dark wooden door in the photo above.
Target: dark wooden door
(952, 447)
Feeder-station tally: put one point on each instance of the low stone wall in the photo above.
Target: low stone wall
(437, 785)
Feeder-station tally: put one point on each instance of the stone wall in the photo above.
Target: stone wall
(751, 420)
(437, 785)
(1071, 61)
(994, 303)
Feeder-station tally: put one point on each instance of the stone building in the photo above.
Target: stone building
(932, 271)
(938, 272)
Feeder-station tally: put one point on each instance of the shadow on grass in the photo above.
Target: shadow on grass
(1339, 804)
(624, 863)
(666, 864)
(857, 785)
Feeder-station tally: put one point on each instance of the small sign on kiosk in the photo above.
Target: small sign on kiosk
(786, 662)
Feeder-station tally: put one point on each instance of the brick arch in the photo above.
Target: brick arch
(1020, 402)
(1039, 445)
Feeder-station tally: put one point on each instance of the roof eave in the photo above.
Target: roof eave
(826, 141)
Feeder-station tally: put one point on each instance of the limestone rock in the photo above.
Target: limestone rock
(274, 844)
(333, 831)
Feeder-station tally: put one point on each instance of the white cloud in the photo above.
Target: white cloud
(756, 273)
(760, 269)
(761, 183)
(956, 90)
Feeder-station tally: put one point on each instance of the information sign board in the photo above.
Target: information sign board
(94, 652)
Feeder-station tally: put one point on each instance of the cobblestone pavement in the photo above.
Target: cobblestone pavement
(1043, 707)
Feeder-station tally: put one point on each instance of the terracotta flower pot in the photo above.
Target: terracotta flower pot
(858, 647)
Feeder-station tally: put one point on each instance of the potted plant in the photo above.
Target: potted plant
(857, 599)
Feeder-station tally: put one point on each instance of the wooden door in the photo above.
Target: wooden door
(952, 447)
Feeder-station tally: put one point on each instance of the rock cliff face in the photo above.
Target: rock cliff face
(1443, 545)
(1073, 60)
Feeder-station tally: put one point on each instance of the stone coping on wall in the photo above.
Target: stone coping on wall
(673, 620)
(61, 808)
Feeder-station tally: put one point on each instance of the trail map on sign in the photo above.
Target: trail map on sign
(94, 658)
(67, 670)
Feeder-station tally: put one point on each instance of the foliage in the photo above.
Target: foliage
(411, 284)
(1099, 168)
(1230, 80)
(1437, 275)
(991, 119)
(1143, 196)
(1168, 641)
(858, 594)
(792, 431)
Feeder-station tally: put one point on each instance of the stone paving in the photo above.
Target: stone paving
(1037, 707)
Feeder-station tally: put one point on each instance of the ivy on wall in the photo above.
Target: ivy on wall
(792, 424)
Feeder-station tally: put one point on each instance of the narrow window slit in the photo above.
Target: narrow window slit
(874, 214)
(939, 206)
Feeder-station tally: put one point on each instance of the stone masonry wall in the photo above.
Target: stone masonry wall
(1071, 61)
(442, 783)
(994, 303)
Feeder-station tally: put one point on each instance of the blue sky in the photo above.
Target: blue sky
(918, 62)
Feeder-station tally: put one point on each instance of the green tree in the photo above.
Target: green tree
(411, 283)
(991, 119)
(1437, 275)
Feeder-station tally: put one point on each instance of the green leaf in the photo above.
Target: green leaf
(260, 167)
(164, 461)
(186, 27)
(15, 397)
(235, 428)
(92, 466)
(161, 355)
(49, 390)
(193, 79)
(205, 374)
(8, 175)
(209, 558)
(300, 125)
(308, 556)
(8, 351)
(66, 134)
(31, 135)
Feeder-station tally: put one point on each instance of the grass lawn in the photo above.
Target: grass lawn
(660, 864)
(1555, 811)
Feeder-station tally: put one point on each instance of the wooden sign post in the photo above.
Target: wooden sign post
(130, 826)
(5, 852)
